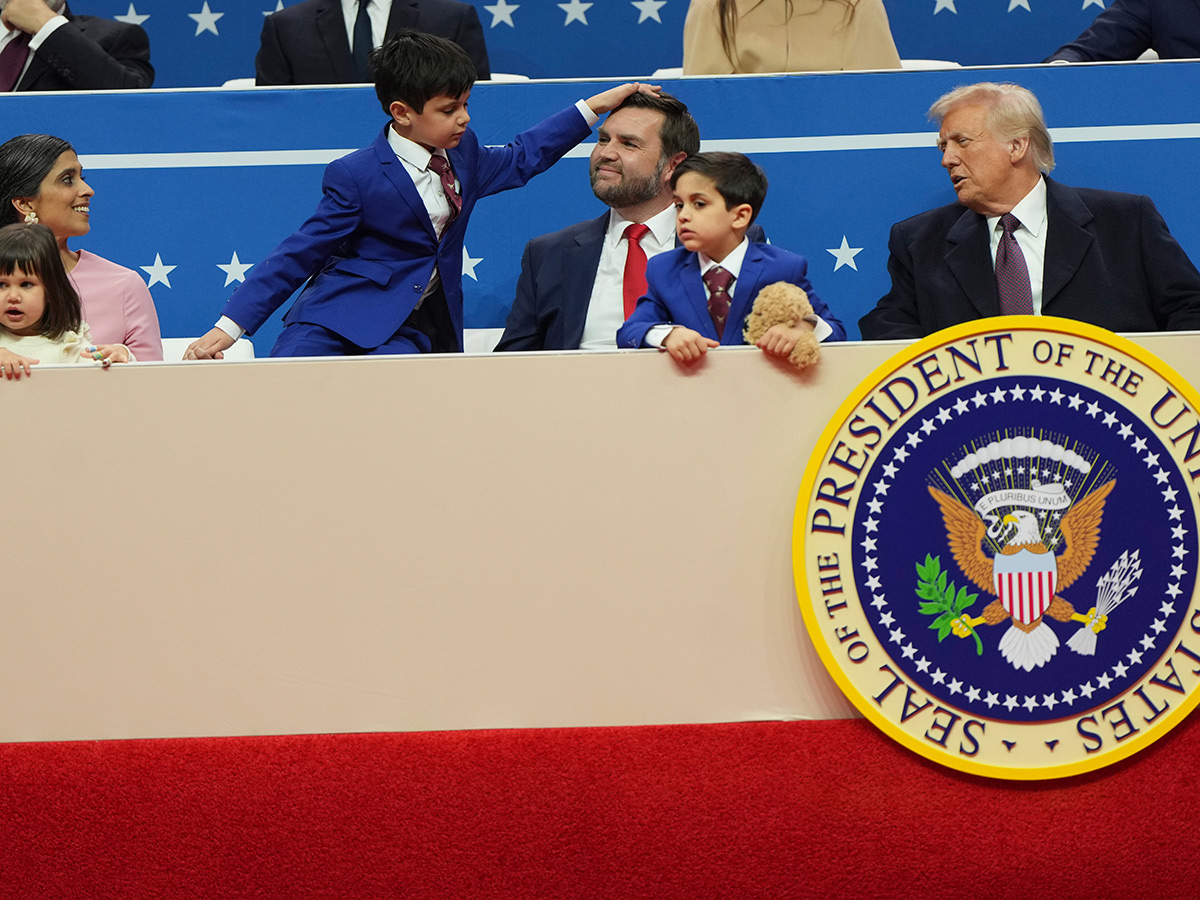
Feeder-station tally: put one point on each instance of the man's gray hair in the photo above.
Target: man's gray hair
(1012, 112)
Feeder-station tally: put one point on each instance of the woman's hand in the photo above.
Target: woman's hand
(13, 364)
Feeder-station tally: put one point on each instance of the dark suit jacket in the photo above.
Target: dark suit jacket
(675, 294)
(558, 272)
(1130, 27)
(307, 43)
(370, 246)
(1110, 260)
(90, 54)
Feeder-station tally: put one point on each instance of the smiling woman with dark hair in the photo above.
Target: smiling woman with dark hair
(41, 181)
(725, 37)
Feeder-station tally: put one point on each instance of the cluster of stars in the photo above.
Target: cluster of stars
(574, 11)
(971, 693)
(235, 270)
(951, 5)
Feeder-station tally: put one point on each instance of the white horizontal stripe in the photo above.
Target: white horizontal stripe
(818, 144)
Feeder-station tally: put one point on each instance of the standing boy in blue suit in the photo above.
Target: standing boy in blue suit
(698, 296)
(384, 248)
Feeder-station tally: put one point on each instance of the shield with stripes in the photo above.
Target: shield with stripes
(1025, 582)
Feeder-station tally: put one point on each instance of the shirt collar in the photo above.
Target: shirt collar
(731, 263)
(1030, 212)
(661, 225)
(410, 151)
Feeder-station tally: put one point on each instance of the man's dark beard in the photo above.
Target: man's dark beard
(629, 192)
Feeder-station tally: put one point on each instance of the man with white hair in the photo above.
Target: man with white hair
(1018, 242)
(45, 47)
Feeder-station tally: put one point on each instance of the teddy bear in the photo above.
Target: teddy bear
(782, 303)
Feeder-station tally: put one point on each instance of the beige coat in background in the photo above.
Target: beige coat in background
(817, 37)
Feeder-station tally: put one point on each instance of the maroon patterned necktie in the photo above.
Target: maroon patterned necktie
(12, 61)
(718, 280)
(1012, 275)
(441, 165)
(634, 279)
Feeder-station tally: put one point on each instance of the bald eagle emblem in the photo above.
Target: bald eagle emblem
(1024, 574)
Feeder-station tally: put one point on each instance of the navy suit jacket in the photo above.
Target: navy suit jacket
(675, 294)
(90, 54)
(1110, 261)
(1127, 28)
(558, 272)
(371, 248)
(307, 43)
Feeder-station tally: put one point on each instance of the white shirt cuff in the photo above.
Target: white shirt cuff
(656, 335)
(46, 30)
(230, 327)
(586, 112)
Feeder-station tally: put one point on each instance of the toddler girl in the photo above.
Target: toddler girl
(40, 315)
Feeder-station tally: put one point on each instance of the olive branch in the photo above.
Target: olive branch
(942, 600)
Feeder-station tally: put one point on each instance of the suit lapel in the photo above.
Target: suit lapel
(579, 264)
(394, 170)
(745, 289)
(967, 244)
(697, 297)
(1067, 238)
(331, 26)
(403, 15)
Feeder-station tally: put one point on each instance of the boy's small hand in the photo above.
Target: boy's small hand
(687, 346)
(780, 340)
(212, 346)
(614, 97)
(13, 364)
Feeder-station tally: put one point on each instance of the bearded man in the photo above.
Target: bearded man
(576, 285)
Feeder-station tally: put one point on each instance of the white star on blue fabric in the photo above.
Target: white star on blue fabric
(206, 20)
(1013, 4)
(158, 272)
(469, 264)
(131, 17)
(945, 4)
(502, 11)
(278, 8)
(576, 11)
(1087, 3)
(235, 271)
(844, 254)
(648, 9)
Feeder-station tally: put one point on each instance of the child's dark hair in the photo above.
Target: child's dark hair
(33, 250)
(414, 67)
(736, 178)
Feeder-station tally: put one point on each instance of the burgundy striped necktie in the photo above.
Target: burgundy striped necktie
(12, 61)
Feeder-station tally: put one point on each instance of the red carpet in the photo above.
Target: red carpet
(826, 809)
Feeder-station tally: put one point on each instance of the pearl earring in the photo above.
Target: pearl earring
(31, 218)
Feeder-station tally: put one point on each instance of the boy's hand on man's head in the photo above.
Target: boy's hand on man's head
(614, 97)
(687, 346)
(780, 340)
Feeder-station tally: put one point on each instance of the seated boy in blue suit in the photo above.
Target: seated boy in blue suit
(384, 248)
(698, 295)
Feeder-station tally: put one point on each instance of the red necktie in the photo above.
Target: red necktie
(12, 61)
(441, 165)
(718, 280)
(1012, 275)
(635, 266)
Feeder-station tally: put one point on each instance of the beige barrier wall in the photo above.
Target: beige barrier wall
(412, 544)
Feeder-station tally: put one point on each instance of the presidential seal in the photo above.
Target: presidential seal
(995, 547)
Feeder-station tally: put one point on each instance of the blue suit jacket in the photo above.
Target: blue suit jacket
(1130, 27)
(307, 43)
(675, 294)
(370, 247)
(558, 272)
(1110, 261)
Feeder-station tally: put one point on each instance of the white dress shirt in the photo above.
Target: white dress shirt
(377, 11)
(606, 308)
(1030, 237)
